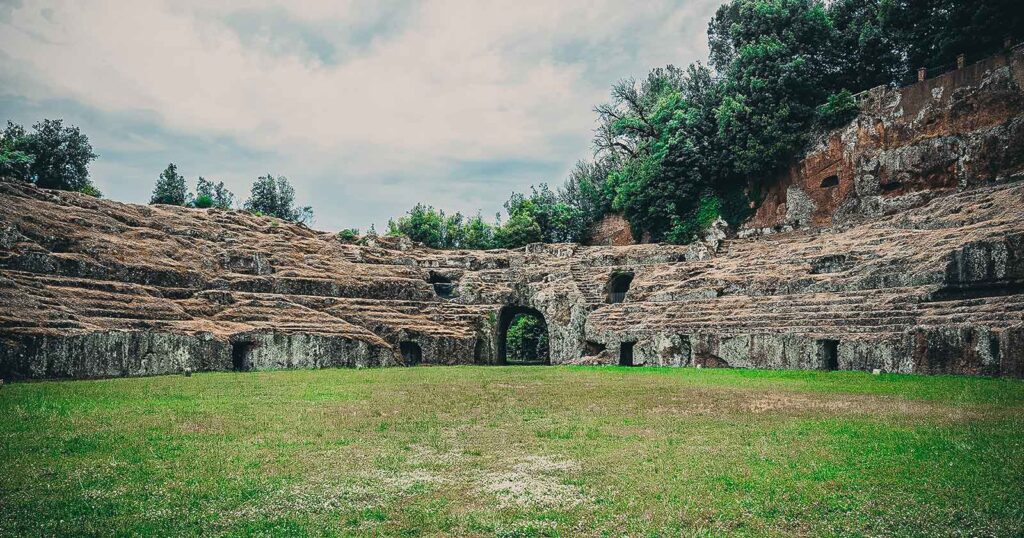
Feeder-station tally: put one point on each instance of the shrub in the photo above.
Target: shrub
(203, 201)
(689, 229)
(839, 110)
(348, 235)
(91, 190)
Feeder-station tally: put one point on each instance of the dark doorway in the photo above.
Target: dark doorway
(240, 351)
(626, 353)
(443, 286)
(522, 336)
(411, 352)
(618, 285)
(829, 350)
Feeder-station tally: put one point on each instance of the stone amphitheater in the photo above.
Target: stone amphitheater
(896, 243)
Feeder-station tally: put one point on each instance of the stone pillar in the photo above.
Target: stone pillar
(961, 61)
(922, 73)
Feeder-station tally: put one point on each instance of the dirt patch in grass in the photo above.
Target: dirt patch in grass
(534, 482)
(699, 402)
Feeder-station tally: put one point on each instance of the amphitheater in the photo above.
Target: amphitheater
(896, 243)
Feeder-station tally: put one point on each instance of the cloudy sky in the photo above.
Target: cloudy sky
(367, 107)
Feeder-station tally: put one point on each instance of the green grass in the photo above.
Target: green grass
(507, 451)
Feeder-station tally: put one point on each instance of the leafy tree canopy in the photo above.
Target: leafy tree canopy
(53, 156)
(276, 197)
(170, 188)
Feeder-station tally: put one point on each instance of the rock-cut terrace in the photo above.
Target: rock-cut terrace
(96, 288)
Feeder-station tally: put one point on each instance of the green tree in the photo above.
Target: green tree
(15, 162)
(477, 234)
(931, 33)
(584, 190)
(170, 188)
(777, 59)
(520, 230)
(435, 229)
(865, 52)
(680, 148)
(53, 156)
(276, 197)
(209, 194)
(422, 224)
(558, 221)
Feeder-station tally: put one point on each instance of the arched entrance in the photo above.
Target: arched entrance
(522, 336)
(618, 286)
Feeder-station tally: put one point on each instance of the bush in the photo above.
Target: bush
(348, 235)
(688, 230)
(839, 110)
(217, 194)
(203, 201)
(91, 190)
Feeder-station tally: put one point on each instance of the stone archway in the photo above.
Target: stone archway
(512, 314)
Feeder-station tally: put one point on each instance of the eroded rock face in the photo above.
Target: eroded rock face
(94, 288)
(959, 130)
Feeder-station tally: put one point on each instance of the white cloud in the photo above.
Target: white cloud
(372, 102)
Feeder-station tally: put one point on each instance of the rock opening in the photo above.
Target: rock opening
(626, 353)
(829, 182)
(829, 354)
(411, 352)
(240, 352)
(444, 287)
(592, 349)
(618, 286)
(522, 336)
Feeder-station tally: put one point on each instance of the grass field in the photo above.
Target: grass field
(514, 451)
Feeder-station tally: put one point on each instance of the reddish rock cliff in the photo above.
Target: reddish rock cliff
(956, 131)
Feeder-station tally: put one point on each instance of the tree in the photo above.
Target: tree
(520, 230)
(867, 54)
(170, 188)
(526, 339)
(276, 197)
(680, 148)
(15, 162)
(209, 194)
(625, 124)
(422, 224)
(53, 156)
(477, 234)
(584, 190)
(435, 229)
(558, 221)
(931, 33)
(777, 59)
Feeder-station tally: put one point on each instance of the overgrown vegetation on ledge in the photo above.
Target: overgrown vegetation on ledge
(684, 146)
